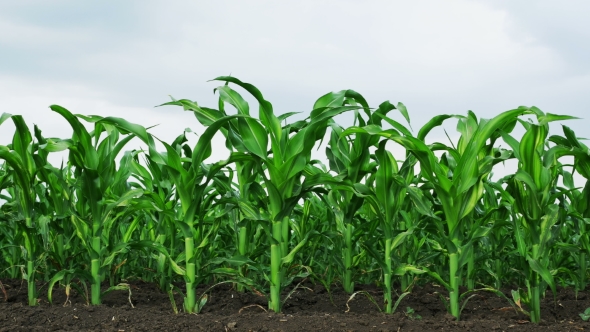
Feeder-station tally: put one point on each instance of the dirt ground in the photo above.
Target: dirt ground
(309, 308)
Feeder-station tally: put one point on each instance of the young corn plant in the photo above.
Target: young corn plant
(497, 201)
(287, 177)
(20, 158)
(532, 189)
(350, 158)
(570, 145)
(459, 193)
(270, 213)
(101, 189)
(391, 186)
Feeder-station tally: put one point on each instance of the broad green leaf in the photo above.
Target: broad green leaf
(434, 122)
(235, 99)
(254, 136)
(4, 117)
(89, 153)
(544, 273)
(400, 238)
(266, 113)
(549, 117)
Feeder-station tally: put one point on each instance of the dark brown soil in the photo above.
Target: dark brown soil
(308, 309)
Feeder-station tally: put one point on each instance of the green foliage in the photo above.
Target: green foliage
(270, 216)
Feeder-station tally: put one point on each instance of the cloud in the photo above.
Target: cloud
(560, 26)
(436, 57)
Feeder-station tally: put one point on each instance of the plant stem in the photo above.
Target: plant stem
(276, 256)
(535, 301)
(583, 270)
(243, 245)
(498, 265)
(95, 272)
(387, 277)
(454, 279)
(31, 288)
(347, 284)
(190, 300)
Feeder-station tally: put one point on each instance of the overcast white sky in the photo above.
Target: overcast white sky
(122, 58)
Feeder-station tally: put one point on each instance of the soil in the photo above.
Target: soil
(309, 308)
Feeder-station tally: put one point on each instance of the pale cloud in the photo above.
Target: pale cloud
(123, 58)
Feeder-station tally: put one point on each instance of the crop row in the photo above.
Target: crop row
(270, 215)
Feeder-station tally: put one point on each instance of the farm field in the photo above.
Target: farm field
(412, 233)
(307, 310)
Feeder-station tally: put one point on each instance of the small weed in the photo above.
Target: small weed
(586, 314)
(411, 314)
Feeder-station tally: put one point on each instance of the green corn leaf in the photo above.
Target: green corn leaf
(125, 199)
(287, 115)
(332, 99)
(400, 238)
(288, 259)
(402, 269)
(433, 123)
(398, 126)
(254, 136)
(238, 260)
(21, 143)
(530, 146)
(203, 148)
(549, 117)
(544, 273)
(56, 277)
(4, 117)
(421, 203)
(235, 99)
(89, 153)
(266, 113)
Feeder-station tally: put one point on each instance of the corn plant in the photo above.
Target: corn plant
(570, 145)
(531, 188)
(101, 189)
(350, 158)
(269, 216)
(391, 186)
(459, 194)
(286, 164)
(20, 158)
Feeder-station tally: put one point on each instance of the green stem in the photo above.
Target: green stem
(534, 291)
(387, 277)
(171, 252)
(454, 279)
(60, 248)
(348, 284)
(535, 302)
(243, 246)
(95, 272)
(285, 237)
(275, 267)
(15, 257)
(95, 287)
(582, 271)
(190, 299)
(161, 268)
(32, 289)
(498, 264)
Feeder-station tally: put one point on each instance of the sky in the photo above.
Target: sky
(122, 58)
